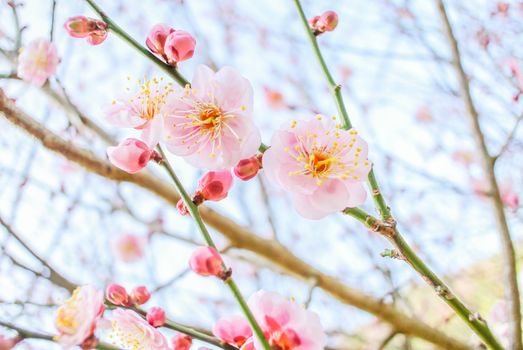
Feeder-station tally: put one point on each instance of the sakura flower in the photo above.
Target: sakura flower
(156, 316)
(131, 331)
(285, 324)
(215, 185)
(37, 62)
(179, 46)
(140, 295)
(206, 261)
(143, 110)
(117, 294)
(246, 169)
(209, 124)
(322, 166)
(129, 247)
(156, 38)
(131, 155)
(94, 30)
(76, 318)
(233, 329)
(181, 342)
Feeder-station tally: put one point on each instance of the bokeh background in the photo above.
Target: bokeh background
(402, 94)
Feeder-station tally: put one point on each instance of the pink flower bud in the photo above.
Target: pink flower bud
(246, 169)
(140, 295)
(215, 185)
(94, 30)
(182, 209)
(179, 46)
(206, 261)
(8, 343)
(156, 317)
(117, 294)
(314, 21)
(77, 27)
(182, 342)
(131, 155)
(156, 38)
(328, 21)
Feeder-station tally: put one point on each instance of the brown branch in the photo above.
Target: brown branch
(238, 236)
(509, 256)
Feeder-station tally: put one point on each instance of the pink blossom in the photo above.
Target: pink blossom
(8, 343)
(509, 196)
(156, 38)
(181, 342)
(130, 330)
(274, 98)
(37, 62)
(233, 329)
(215, 185)
(210, 123)
(327, 22)
(94, 30)
(322, 166)
(179, 46)
(129, 247)
(285, 324)
(156, 316)
(117, 294)
(140, 295)
(246, 169)
(131, 155)
(206, 261)
(143, 110)
(76, 318)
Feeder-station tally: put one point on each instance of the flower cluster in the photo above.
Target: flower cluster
(285, 325)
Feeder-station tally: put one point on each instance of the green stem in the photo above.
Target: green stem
(181, 328)
(335, 88)
(388, 228)
(172, 71)
(195, 214)
(27, 334)
(473, 320)
(338, 98)
(126, 37)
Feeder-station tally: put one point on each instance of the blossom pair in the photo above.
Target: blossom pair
(209, 124)
(285, 325)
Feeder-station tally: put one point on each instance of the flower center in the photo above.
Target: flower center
(284, 340)
(209, 116)
(151, 97)
(319, 164)
(337, 158)
(66, 315)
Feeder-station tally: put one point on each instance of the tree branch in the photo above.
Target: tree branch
(239, 236)
(507, 246)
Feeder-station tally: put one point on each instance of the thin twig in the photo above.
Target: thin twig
(507, 245)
